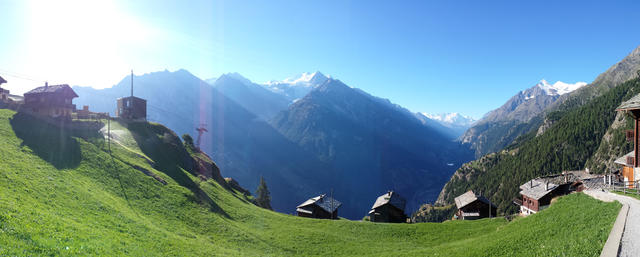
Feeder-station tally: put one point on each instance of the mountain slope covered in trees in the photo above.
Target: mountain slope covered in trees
(575, 136)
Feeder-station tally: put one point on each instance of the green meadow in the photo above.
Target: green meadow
(67, 192)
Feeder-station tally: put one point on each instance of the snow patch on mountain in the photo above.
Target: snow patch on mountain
(298, 86)
(454, 118)
(559, 88)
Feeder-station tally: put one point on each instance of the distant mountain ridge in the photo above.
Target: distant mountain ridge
(371, 142)
(335, 137)
(255, 98)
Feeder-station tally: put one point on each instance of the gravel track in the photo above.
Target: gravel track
(630, 245)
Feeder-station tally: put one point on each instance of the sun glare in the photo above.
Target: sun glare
(85, 40)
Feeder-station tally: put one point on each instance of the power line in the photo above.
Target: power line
(21, 76)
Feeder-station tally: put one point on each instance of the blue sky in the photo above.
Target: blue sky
(429, 56)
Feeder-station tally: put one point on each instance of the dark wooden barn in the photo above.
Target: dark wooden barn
(53, 101)
(132, 108)
(472, 207)
(388, 207)
(319, 207)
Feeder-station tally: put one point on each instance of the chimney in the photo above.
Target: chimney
(46, 84)
(531, 183)
(546, 185)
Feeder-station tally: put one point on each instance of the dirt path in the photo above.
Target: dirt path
(630, 245)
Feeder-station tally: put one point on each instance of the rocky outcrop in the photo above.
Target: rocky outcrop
(236, 186)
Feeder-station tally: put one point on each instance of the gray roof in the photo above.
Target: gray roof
(536, 189)
(392, 198)
(633, 103)
(133, 97)
(2, 80)
(51, 89)
(16, 98)
(325, 202)
(623, 160)
(470, 197)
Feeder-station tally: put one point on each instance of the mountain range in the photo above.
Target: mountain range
(306, 136)
(501, 126)
(580, 129)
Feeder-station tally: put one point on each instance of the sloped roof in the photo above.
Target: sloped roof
(633, 103)
(2, 80)
(535, 188)
(469, 197)
(623, 160)
(132, 97)
(325, 202)
(51, 89)
(392, 198)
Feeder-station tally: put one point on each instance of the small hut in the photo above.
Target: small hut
(472, 206)
(131, 107)
(319, 207)
(389, 207)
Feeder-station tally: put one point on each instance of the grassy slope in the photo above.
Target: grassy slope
(102, 206)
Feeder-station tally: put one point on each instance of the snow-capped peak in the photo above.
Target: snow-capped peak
(304, 79)
(453, 118)
(298, 86)
(559, 88)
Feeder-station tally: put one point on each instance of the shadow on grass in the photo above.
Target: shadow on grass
(170, 157)
(53, 143)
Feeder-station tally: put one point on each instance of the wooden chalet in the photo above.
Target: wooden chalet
(388, 207)
(630, 171)
(319, 207)
(627, 174)
(53, 101)
(537, 193)
(4, 94)
(472, 206)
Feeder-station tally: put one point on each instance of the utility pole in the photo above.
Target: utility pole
(201, 131)
(332, 203)
(490, 206)
(109, 134)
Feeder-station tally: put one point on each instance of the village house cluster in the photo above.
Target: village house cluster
(538, 193)
(55, 102)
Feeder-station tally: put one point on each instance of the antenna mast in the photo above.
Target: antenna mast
(131, 82)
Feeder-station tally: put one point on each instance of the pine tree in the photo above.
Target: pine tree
(263, 197)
